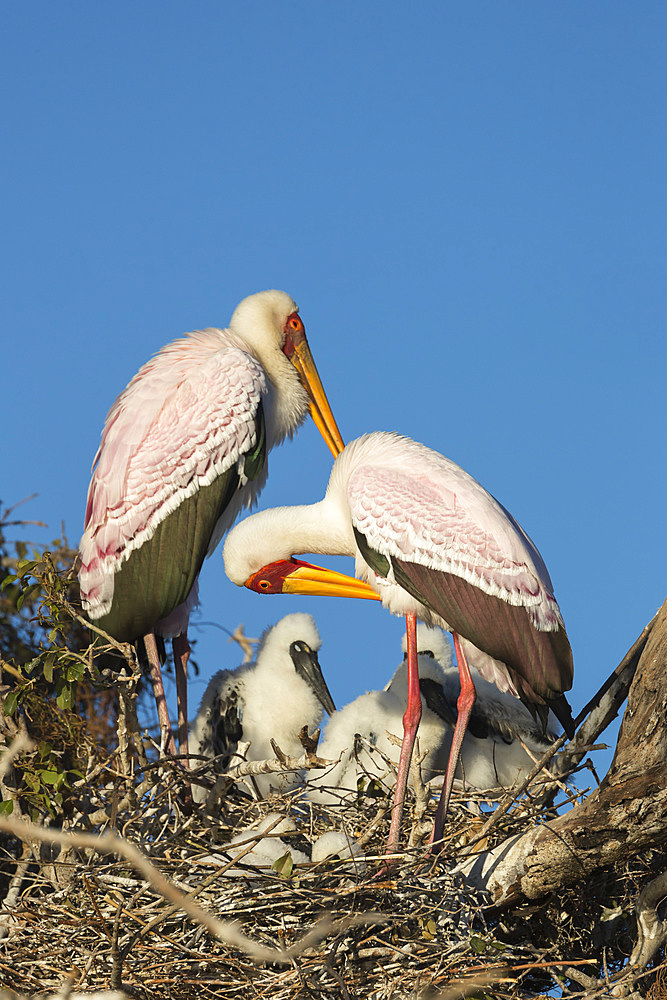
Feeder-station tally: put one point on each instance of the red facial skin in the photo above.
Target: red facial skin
(295, 334)
(270, 579)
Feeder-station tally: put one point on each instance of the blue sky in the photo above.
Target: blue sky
(467, 200)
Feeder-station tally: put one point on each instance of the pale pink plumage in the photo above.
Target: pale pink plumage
(184, 448)
(414, 504)
(185, 418)
(434, 545)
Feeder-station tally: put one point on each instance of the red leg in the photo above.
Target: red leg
(158, 691)
(464, 706)
(413, 714)
(181, 648)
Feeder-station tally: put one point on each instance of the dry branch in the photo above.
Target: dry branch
(652, 930)
(624, 816)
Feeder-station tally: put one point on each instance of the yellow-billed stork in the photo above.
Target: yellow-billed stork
(184, 449)
(429, 542)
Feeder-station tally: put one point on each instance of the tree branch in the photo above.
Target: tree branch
(622, 817)
(652, 930)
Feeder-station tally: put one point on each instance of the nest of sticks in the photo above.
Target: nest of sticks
(138, 891)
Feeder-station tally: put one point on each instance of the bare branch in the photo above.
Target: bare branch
(652, 930)
(623, 816)
(307, 762)
(473, 984)
(603, 707)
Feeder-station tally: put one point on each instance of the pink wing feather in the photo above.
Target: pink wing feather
(452, 542)
(184, 419)
(425, 509)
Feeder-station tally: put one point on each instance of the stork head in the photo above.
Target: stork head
(293, 576)
(270, 325)
(291, 647)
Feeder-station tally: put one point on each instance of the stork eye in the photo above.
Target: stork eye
(294, 324)
(264, 584)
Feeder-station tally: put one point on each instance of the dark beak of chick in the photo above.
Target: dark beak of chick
(308, 667)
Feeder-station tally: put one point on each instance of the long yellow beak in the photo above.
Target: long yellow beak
(320, 410)
(316, 581)
(292, 576)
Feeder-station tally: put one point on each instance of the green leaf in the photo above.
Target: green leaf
(11, 702)
(64, 694)
(477, 944)
(49, 660)
(31, 780)
(283, 865)
(75, 671)
(51, 777)
(31, 590)
(26, 566)
(6, 807)
(26, 594)
(8, 581)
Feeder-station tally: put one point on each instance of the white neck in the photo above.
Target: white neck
(282, 532)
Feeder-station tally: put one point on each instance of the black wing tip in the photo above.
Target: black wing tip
(561, 709)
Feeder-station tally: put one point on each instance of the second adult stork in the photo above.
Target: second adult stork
(430, 542)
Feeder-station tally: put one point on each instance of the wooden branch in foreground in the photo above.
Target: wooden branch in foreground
(652, 930)
(226, 931)
(278, 765)
(622, 817)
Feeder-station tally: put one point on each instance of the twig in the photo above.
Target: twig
(603, 707)
(11, 899)
(307, 762)
(473, 984)
(513, 794)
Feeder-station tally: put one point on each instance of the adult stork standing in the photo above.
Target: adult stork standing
(273, 697)
(184, 448)
(429, 542)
